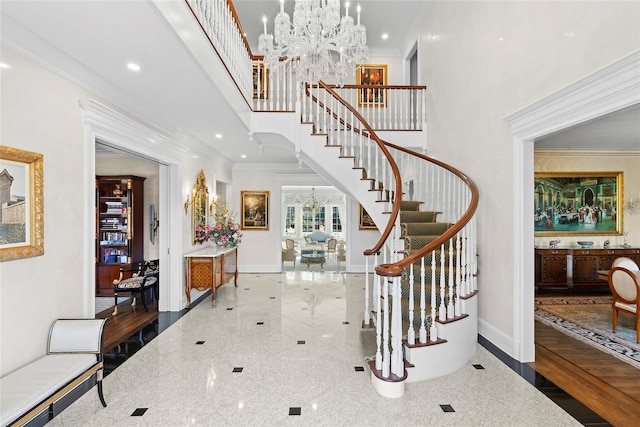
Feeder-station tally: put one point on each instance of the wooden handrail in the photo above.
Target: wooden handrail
(395, 269)
(394, 167)
(237, 21)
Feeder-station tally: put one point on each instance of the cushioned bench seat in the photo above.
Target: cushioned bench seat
(25, 388)
(74, 354)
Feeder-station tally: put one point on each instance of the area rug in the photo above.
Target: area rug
(588, 319)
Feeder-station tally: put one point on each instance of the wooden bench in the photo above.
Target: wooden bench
(74, 355)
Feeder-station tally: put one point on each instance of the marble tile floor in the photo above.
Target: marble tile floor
(284, 349)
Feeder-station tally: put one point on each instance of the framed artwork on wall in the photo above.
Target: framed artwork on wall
(575, 203)
(260, 81)
(372, 75)
(366, 223)
(255, 210)
(22, 201)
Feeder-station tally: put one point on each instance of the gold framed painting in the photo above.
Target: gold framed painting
(371, 75)
(255, 210)
(577, 203)
(260, 81)
(366, 222)
(22, 201)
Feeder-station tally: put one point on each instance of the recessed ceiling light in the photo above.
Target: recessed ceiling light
(244, 156)
(385, 36)
(4, 65)
(218, 135)
(133, 67)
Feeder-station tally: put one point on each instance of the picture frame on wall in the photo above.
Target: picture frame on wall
(260, 81)
(372, 75)
(22, 201)
(255, 210)
(366, 222)
(578, 203)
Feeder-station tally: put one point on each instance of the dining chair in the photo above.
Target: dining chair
(625, 289)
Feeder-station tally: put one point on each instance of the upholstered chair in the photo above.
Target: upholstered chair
(289, 253)
(135, 281)
(331, 246)
(625, 288)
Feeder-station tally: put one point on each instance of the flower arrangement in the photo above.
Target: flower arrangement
(225, 231)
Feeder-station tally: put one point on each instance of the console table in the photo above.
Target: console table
(573, 268)
(210, 268)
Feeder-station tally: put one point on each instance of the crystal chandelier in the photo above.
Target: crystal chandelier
(313, 204)
(319, 43)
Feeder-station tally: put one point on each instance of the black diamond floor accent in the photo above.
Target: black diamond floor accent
(338, 297)
(306, 289)
(302, 342)
(247, 289)
(199, 342)
(260, 323)
(229, 309)
(272, 297)
(359, 368)
(478, 366)
(345, 323)
(295, 410)
(238, 369)
(447, 408)
(139, 412)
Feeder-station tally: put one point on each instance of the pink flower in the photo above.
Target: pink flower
(198, 228)
(218, 226)
(208, 228)
(223, 238)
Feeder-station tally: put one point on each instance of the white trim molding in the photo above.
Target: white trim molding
(606, 90)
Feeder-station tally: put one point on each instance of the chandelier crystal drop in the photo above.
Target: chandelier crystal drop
(318, 43)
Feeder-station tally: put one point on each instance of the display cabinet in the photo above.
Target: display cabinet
(119, 227)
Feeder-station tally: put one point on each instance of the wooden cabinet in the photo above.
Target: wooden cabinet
(210, 268)
(567, 268)
(119, 227)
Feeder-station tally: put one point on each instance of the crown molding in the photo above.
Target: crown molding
(551, 152)
(581, 101)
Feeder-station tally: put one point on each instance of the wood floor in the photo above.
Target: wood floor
(605, 384)
(128, 322)
(608, 386)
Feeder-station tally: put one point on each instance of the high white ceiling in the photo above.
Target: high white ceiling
(90, 43)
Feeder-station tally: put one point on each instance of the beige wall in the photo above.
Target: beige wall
(485, 60)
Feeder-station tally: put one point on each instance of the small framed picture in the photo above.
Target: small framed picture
(260, 81)
(255, 210)
(22, 200)
(370, 76)
(366, 223)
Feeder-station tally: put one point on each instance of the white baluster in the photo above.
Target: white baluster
(459, 273)
(433, 331)
(423, 328)
(367, 283)
(385, 332)
(443, 310)
(411, 335)
(450, 311)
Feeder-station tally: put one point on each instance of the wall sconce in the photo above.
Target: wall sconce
(187, 203)
(633, 205)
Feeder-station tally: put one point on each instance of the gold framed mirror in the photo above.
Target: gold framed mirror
(200, 210)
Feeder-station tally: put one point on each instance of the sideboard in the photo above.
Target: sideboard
(210, 268)
(574, 268)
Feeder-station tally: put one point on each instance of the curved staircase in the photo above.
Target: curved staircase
(420, 309)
